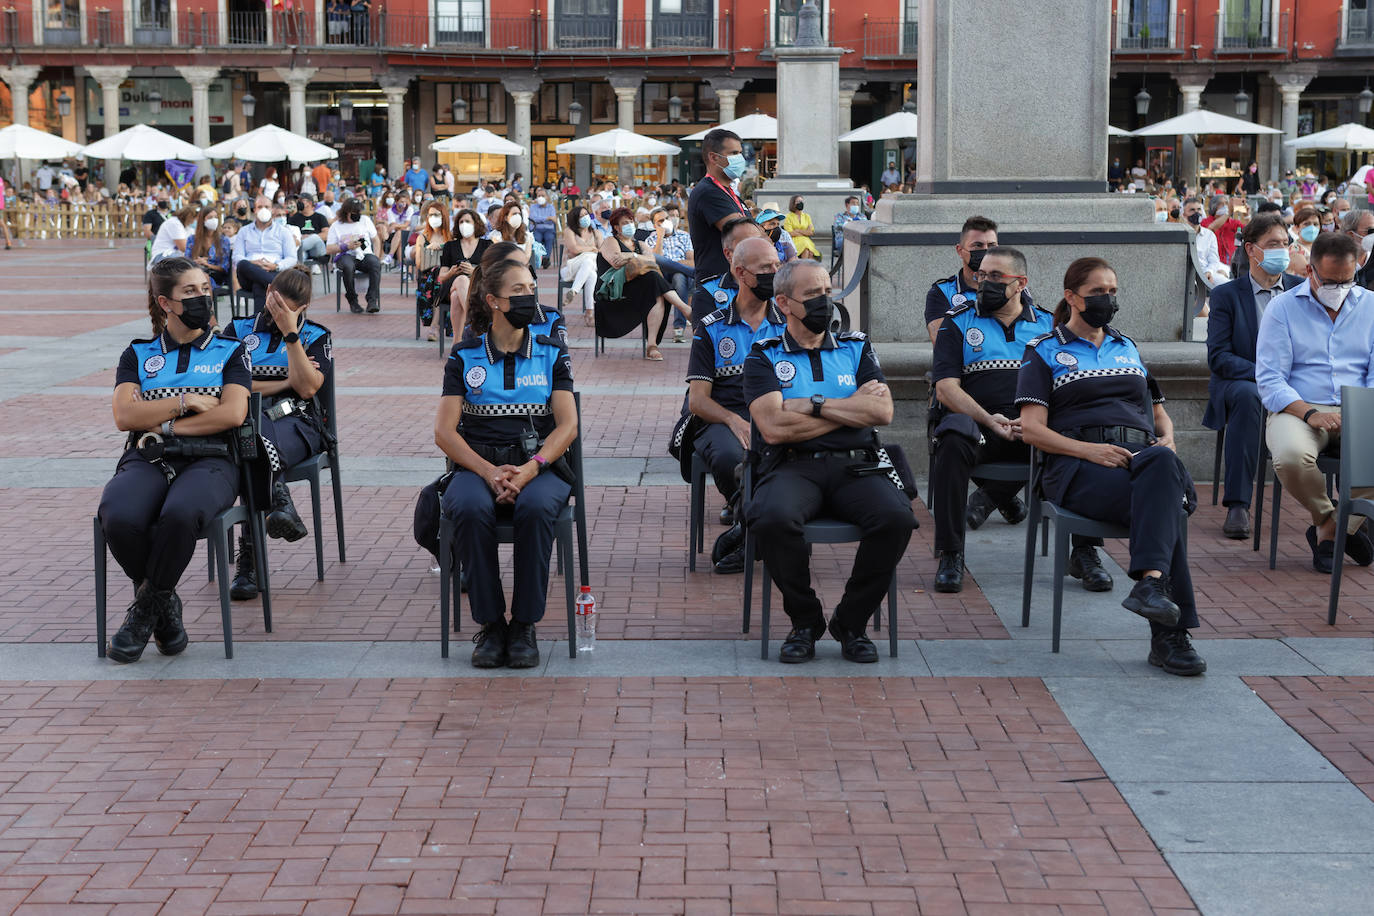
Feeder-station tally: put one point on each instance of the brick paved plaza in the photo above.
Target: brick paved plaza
(339, 765)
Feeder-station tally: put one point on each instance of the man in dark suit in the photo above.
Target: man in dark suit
(1232, 400)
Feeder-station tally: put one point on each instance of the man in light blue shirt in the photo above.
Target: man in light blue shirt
(1312, 340)
(261, 249)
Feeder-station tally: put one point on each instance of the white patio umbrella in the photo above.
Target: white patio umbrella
(1201, 122)
(480, 141)
(271, 143)
(1349, 137)
(1118, 132)
(897, 126)
(24, 142)
(618, 143)
(143, 144)
(756, 126)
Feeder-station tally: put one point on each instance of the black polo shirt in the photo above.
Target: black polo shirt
(708, 205)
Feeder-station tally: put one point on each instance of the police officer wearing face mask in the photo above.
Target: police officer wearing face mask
(1089, 404)
(712, 205)
(975, 364)
(292, 359)
(715, 372)
(506, 417)
(815, 399)
(176, 394)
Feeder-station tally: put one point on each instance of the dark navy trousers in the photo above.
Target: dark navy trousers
(1244, 418)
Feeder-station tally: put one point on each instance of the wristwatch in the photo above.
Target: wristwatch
(817, 402)
(290, 338)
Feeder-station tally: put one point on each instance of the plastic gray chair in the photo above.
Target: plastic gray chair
(1357, 471)
(696, 516)
(310, 468)
(1328, 464)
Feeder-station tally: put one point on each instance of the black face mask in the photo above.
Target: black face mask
(196, 312)
(1098, 310)
(1195, 218)
(799, 207)
(763, 286)
(523, 310)
(819, 311)
(975, 259)
(774, 234)
(991, 297)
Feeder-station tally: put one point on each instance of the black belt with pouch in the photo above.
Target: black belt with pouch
(1112, 435)
(522, 452)
(287, 407)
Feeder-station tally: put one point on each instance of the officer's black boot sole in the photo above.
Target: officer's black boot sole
(124, 656)
(286, 525)
(169, 633)
(1162, 663)
(1162, 611)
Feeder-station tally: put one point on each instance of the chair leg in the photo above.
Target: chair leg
(695, 518)
(1274, 511)
(1338, 565)
(748, 577)
(264, 586)
(444, 552)
(1032, 523)
(582, 562)
(442, 318)
(767, 584)
(565, 547)
(220, 556)
(891, 616)
(100, 572)
(1261, 469)
(210, 559)
(1061, 562)
(1044, 537)
(319, 526)
(1216, 466)
(337, 486)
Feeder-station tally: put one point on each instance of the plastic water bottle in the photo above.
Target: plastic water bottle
(586, 620)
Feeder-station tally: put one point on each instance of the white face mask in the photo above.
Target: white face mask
(1222, 214)
(264, 214)
(435, 220)
(1332, 297)
(465, 230)
(514, 220)
(652, 201)
(1367, 243)
(389, 201)
(668, 227)
(541, 200)
(211, 224)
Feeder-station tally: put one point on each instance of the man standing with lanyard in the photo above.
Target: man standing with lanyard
(713, 204)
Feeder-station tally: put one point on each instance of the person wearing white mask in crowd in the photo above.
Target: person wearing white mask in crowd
(581, 237)
(261, 249)
(544, 221)
(457, 264)
(1214, 271)
(1359, 225)
(509, 226)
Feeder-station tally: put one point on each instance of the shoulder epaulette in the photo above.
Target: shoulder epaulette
(717, 315)
(767, 342)
(140, 340)
(468, 343)
(546, 339)
(960, 309)
(319, 327)
(1042, 311)
(1037, 341)
(851, 335)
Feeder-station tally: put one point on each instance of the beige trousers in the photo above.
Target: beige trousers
(1294, 446)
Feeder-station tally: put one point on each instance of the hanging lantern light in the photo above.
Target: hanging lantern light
(155, 102)
(64, 103)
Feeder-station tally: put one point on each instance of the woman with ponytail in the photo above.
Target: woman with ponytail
(175, 393)
(1090, 405)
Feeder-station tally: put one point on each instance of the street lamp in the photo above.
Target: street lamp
(346, 109)
(1365, 100)
(1242, 100)
(1142, 102)
(575, 113)
(460, 110)
(674, 108)
(155, 102)
(248, 104)
(64, 103)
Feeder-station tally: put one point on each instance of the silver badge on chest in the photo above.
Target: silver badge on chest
(1067, 360)
(154, 364)
(476, 377)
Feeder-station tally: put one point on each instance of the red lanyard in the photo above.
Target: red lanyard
(731, 194)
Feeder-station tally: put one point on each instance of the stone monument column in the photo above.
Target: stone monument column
(727, 93)
(20, 79)
(200, 79)
(522, 90)
(395, 87)
(110, 79)
(626, 91)
(1291, 82)
(847, 90)
(296, 79)
(1190, 99)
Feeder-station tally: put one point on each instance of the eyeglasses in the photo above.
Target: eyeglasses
(996, 276)
(1342, 285)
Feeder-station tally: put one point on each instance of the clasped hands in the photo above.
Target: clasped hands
(507, 480)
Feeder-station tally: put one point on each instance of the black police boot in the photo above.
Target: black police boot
(800, 644)
(728, 542)
(732, 562)
(1014, 511)
(489, 645)
(1150, 599)
(978, 510)
(855, 645)
(522, 647)
(245, 584)
(727, 516)
(1085, 564)
(283, 521)
(1174, 652)
(353, 305)
(128, 643)
(168, 631)
(949, 578)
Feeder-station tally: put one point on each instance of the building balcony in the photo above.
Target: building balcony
(1357, 29)
(889, 39)
(1157, 33)
(1257, 33)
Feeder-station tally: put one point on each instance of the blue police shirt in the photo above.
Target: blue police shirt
(1083, 385)
(505, 394)
(721, 344)
(985, 355)
(262, 342)
(835, 369)
(723, 295)
(162, 368)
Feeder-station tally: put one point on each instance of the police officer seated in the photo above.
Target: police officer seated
(176, 394)
(292, 358)
(1088, 402)
(715, 371)
(506, 417)
(976, 360)
(724, 288)
(815, 399)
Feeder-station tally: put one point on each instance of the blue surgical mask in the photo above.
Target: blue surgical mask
(1309, 233)
(1275, 261)
(627, 230)
(585, 221)
(853, 209)
(734, 166)
(1161, 216)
